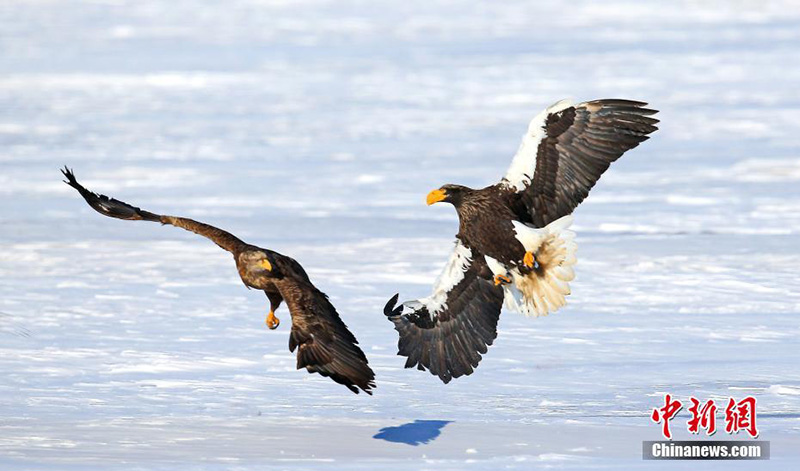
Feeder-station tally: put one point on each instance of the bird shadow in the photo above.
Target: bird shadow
(418, 432)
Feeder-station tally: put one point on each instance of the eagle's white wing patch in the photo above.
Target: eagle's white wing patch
(453, 273)
(520, 173)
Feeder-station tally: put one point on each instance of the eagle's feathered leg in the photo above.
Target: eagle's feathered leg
(275, 300)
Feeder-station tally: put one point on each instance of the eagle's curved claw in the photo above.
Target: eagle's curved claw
(529, 260)
(501, 280)
(390, 310)
(272, 321)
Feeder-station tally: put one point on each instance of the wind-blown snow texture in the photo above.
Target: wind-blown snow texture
(316, 129)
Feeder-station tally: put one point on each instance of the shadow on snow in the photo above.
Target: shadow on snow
(413, 433)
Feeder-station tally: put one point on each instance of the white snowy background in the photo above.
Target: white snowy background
(316, 128)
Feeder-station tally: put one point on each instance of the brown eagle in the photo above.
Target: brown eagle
(513, 245)
(323, 342)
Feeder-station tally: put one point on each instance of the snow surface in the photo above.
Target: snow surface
(316, 129)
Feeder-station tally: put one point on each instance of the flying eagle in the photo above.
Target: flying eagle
(514, 246)
(323, 342)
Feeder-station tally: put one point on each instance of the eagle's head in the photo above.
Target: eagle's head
(259, 263)
(452, 194)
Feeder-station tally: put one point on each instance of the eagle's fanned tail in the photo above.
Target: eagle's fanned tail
(542, 289)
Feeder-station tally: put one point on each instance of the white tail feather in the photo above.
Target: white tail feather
(544, 289)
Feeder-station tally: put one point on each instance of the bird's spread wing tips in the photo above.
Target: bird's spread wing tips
(108, 206)
(389, 310)
(335, 358)
(566, 150)
(70, 177)
(322, 341)
(447, 332)
(119, 209)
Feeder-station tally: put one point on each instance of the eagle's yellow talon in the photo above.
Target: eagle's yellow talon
(500, 279)
(272, 321)
(528, 260)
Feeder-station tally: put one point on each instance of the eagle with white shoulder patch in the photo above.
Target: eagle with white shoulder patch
(514, 244)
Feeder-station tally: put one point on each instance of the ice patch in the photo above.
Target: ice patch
(783, 390)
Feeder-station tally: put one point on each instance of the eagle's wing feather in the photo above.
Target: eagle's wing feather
(566, 150)
(447, 332)
(115, 208)
(323, 342)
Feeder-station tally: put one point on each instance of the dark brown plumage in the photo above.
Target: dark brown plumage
(323, 342)
(582, 141)
(450, 344)
(513, 243)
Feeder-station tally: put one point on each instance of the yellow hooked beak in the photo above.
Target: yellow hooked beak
(435, 196)
(265, 264)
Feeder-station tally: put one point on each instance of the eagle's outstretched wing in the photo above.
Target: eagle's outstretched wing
(566, 150)
(323, 342)
(108, 206)
(447, 332)
(115, 208)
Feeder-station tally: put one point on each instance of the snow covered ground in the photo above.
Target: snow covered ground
(316, 129)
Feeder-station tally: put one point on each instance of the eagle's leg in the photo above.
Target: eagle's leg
(275, 300)
(501, 279)
(529, 260)
(272, 321)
